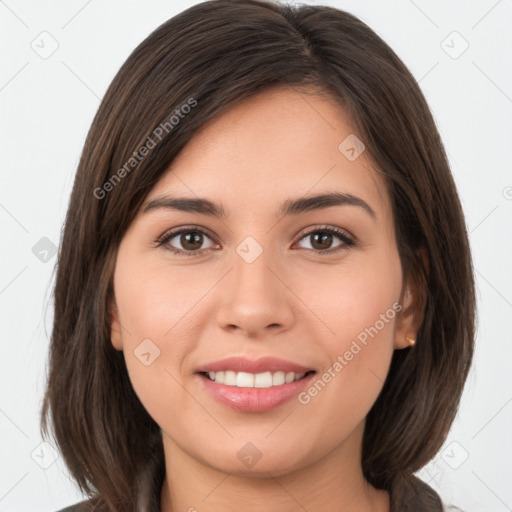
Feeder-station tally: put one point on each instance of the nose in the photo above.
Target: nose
(255, 299)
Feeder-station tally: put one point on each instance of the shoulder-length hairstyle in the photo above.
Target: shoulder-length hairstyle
(210, 57)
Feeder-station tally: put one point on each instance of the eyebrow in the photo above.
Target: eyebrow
(289, 207)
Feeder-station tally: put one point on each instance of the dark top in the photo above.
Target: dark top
(417, 497)
(78, 507)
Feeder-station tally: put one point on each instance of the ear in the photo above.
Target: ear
(413, 301)
(115, 327)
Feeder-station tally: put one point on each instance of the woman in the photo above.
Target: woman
(264, 295)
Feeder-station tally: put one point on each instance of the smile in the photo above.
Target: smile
(254, 380)
(252, 392)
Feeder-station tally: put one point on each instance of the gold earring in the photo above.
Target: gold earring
(411, 341)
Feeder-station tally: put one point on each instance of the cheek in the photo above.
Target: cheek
(359, 305)
(365, 315)
(156, 301)
(158, 328)
(360, 294)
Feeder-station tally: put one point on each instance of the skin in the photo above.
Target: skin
(291, 302)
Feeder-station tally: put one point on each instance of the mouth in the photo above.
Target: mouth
(254, 392)
(254, 385)
(261, 380)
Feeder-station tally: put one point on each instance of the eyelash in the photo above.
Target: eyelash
(348, 242)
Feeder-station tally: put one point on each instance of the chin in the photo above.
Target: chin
(249, 461)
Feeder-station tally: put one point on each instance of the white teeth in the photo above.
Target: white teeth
(230, 378)
(252, 380)
(243, 380)
(263, 380)
(278, 379)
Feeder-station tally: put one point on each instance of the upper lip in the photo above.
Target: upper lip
(262, 364)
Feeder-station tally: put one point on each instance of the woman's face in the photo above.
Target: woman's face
(254, 284)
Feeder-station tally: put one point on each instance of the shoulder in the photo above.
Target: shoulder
(82, 506)
(414, 495)
(417, 496)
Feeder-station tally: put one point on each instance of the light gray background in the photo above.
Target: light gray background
(47, 105)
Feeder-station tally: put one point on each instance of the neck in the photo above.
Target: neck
(332, 483)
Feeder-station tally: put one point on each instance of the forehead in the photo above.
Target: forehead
(280, 144)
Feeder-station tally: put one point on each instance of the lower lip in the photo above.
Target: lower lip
(255, 399)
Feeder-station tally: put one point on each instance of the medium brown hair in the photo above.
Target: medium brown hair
(219, 53)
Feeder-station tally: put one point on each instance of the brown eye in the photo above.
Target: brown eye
(322, 239)
(186, 241)
(191, 241)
